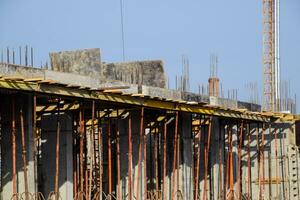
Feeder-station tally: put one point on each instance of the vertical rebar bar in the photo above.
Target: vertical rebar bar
(26, 55)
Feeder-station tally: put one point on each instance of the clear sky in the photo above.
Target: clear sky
(159, 29)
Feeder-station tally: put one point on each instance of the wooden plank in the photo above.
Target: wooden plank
(13, 78)
(33, 79)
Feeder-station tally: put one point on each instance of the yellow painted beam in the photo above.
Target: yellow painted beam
(53, 89)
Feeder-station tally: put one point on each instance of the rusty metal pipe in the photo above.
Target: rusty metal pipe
(174, 156)
(92, 150)
(249, 163)
(206, 157)
(24, 154)
(13, 137)
(118, 160)
(57, 151)
(165, 158)
(141, 141)
(156, 161)
(198, 160)
(109, 156)
(145, 154)
(129, 157)
(81, 133)
(239, 160)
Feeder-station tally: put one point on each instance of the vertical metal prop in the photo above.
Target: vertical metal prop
(198, 160)
(118, 160)
(165, 158)
(263, 158)
(206, 157)
(24, 154)
(276, 159)
(249, 163)
(57, 151)
(34, 143)
(156, 161)
(81, 134)
(174, 156)
(145, 154)
(92, 150)
(129, 158)
(100, 157)
(141, 141)
(109, 156)
(13, 137)
(240, 140)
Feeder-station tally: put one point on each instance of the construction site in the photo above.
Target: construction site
(81, 128)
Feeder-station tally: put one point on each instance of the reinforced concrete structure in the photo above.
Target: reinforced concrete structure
(113, 131)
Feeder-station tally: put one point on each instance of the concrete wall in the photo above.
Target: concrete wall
(149, 73)
(85, 62)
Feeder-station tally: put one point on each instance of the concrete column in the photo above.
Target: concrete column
(186, 167)
(216, 158)
(123, 128)
(48, 146)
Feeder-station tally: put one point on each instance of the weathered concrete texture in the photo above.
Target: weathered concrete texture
(149, 73)
(48, 148)
(20, 71)
(84, 62)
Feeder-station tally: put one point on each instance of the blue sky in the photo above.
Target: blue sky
(159, 29)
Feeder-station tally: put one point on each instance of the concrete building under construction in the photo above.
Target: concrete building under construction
(87, 130)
